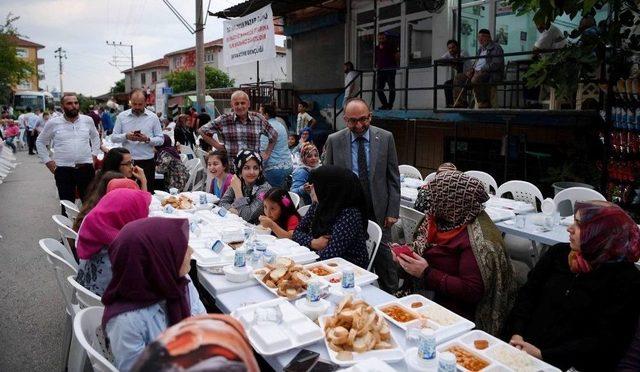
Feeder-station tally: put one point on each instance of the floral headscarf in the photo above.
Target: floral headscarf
(243, 157)
(305, 150)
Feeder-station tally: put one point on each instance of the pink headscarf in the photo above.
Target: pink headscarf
(102, 224)
(122, 183)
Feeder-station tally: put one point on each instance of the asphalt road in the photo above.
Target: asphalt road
(32, 317)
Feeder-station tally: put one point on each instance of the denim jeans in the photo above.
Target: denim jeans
(10, 143)
(277, 177)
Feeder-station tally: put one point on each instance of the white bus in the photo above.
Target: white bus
(35, 100)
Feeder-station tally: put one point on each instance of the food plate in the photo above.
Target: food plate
(411, 310)
(284, 278)
(478, 347)
(332, 270)
(291, 330)
(356, 332)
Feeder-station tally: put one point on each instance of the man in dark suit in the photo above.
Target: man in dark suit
(370, 152)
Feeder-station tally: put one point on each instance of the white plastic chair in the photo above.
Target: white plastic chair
(410, 171)
(486, 179)
(373, 242)
(186, 150)
(183, 158)
(193, 166)
(573, 195)
(410, 219)
(70, 208)
(430, 177)
(66, 232)
(295, 198)
(521, 191)
(85, 298)
(87, 328)
(303, 210)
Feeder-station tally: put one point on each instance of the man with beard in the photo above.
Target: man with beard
(370, 153)
(76, 144)
(139, 130)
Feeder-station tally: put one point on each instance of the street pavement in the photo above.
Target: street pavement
(32, 316)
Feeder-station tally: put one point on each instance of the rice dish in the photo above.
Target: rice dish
(440, 315)
(514, 358)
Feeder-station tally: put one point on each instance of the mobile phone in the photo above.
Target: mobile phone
(303, 361)
(322, 366)
(402, 249)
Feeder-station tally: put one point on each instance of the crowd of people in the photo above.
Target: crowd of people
(578, 307)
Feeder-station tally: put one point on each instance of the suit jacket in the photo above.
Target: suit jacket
(384, 176)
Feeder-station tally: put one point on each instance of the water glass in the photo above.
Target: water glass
(520, 221)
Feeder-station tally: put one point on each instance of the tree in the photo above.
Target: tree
(85, 102)
(185, 81)
(13, 69)
(118, 87)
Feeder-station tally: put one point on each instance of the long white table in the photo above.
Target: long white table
(535, 232)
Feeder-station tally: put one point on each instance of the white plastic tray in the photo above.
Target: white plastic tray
(518, 207)
(388, 355)
(295, 330)
(444, 332)
(336, 264)
(466, 341)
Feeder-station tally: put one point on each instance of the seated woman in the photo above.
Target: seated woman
(184, 133)
(150, 289)
(459, 255)
(248, 187)
(310, 160)
(335, 225)
(305, 136)
(168, 162)
(119, 159)
(580, 305)
(100, 188)
(99, 229)
(218, 168)
(280, 214)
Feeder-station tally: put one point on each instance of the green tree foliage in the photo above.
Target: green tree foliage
(13, 69)
(185, 81)
(118, 87)
(85, 102)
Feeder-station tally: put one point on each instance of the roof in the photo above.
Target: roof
(279, 7)
(24, 43)
(162, 62)
(216, 42)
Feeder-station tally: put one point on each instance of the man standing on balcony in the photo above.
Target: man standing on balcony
(485, 70)
(387, 59)
(351, 84)
(370, 153)
(457, 67)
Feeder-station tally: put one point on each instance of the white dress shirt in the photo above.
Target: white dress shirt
(552, 38)
(147, 123)
(73, 142)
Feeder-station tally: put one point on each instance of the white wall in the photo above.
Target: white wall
(270, 70)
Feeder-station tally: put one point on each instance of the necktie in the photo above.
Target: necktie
(363, 172)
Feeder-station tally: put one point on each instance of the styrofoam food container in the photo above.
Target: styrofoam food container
(237, 275)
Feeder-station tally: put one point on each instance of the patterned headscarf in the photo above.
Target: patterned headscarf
(243, 157)
(453, 198)
(607, 234)
(305, 150)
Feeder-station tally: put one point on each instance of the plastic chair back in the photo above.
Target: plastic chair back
(521, 191)
(70, 208)
(410, 219)
(487, 179)
(66, 232)
(84, 297)
(87, 330)
(183, 158)
(430, 177)
(193, 167)
(295, 198)
(410, 171)
(303, 210)
(58, 258)
(571, 196)
(373, 242)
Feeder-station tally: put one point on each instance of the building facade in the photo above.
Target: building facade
(146, 75)
(28, 51)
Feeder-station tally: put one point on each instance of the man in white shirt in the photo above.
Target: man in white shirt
(304, 119)
(23, 122)
(350, 76)
(76, 144)
(550, 37)
(139, 130)
(457, 68)
(32, 122)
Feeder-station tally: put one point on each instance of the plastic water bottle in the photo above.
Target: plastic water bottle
(313, 293)
(240, 258)
(446, 362)
(348, 279)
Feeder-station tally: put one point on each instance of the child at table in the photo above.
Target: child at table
(281, 215)
(218, 168)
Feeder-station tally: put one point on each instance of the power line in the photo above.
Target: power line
(179, 16)
(60, 54)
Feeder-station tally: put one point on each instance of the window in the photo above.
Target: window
(474, 18)
(209, 56)
(154, 76)
(143, 78)
(420, 34)
(22, 53)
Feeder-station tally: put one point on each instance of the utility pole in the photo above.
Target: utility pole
(133, 70)
(200, 75)
(60, 54)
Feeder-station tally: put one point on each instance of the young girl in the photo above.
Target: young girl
(310, 161)
(281, 215)
(248, 187)
(218, 168)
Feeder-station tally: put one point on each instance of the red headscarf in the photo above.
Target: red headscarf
(607, 234)
(122, 183)
(113, 211)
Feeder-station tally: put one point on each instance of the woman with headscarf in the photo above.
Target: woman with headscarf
(335, 225)
(100, 189)
(211, 342)
(99, 229)
(580, 305)
(150, 289)
(184, 133)
(248, 186)
(310, 160)
(306, 136)
(168, 162)
(459, 256)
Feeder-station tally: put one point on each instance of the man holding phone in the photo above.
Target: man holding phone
(139, 130)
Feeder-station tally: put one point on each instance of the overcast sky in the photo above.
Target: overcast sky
(81, 27)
